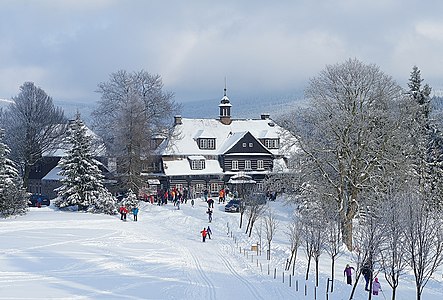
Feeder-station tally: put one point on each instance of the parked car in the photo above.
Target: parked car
(233, 205)
(33, 200)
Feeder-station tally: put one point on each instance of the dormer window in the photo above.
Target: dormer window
(271, 143)
(197, 162)
(206, 143)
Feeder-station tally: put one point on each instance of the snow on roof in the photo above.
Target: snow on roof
(224, 134)
(53, 174)
(182, 166)
(196, 157)
(62, 148)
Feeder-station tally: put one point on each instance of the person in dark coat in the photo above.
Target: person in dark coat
(348, 273)
(209, 232)
(366, 271)
(210, 203)
(209, 212)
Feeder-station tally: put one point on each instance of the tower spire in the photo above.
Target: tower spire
(225, 88)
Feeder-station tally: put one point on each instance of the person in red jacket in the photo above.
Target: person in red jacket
(123, 211)
(204, 233)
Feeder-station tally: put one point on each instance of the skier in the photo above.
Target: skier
(376, 286)
(366, 271)
(192, 202)
(204, 233)
(348, 273)
(209, 232)
(209, 212)
(135, 213)
(210, 203)
(205, 194)
(123, 211)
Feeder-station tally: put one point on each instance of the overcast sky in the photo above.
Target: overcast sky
(67, 47)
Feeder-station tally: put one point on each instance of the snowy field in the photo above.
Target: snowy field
(51, 254)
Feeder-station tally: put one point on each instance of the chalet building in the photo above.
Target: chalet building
(209, 153)
(43, 176)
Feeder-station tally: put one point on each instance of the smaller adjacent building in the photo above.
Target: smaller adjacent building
(44, 178)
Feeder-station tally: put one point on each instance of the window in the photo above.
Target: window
(206, 143)
(247, 165)
(260, 165)
(271, 143)
(214, 187)
(251, 145)
(199, 187)
(244, 145)
(234, 165)
(197, 164)
(203, 143)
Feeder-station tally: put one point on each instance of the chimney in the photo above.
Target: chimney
(177, 120)
(264, 116)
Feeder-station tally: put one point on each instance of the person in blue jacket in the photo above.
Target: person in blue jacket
(135, 213)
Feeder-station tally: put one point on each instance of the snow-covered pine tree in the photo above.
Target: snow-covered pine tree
(130, 201)
(82, 182)
(12, 196)
(426, 141)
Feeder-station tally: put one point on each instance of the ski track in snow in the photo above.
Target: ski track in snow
(210, 288)
(244, 281)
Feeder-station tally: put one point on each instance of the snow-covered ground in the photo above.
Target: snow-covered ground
(52, 254)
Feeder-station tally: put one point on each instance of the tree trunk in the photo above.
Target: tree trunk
(247, 226)
(26, 177)
(332, 272)
(288, 266)
(316, 271)
(250, 228)
(309, 265)
(354, 286)
(346, 224)
(293, 263)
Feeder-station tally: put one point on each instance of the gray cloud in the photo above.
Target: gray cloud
(68, 47)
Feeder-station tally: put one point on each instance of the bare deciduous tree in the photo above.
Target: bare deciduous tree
(346, 133)
(423, 238)
(33, 126)
(271, 224)
(132, 111)
(392, 255)
(294, 234)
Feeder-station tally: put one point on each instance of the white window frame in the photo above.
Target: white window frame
(234, 165)
(260, 164)
(248, 165)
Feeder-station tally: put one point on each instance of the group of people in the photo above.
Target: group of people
(206, 232)
(367, 274)
(124, 211)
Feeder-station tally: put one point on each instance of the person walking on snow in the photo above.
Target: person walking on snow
(209, 212)
(192, 202)
(348, 273)
(376, 286)
(210, 203)
(123, 211)
(204, 233)
(209, 232)
(366, 271)
(135, 213)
